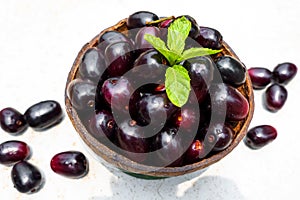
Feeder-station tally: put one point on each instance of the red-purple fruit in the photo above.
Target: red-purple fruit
(102, 124)
(12, 121)
(133, 140)
(219, 136)
(260, 77)
(71, 164)
(195, 152)
(116, 91)
(26, 177)
(227, 99)
(210, 38)
(140, 43)
(259, 136)
(284, 72)
(13, 151)
(169, 148)
(275, 97)
(119, 58)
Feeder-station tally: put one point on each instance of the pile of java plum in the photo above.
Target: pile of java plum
(131, 117)
(139, 120)
(274, 98)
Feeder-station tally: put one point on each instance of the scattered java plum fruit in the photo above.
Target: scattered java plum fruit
(276, 94)
(283, 73)
(12, 121)
(275, 97)
(71, 164)
(260, 77)
(39, 116)
(13, 151)
(259, 136)
(142, 119)
(26, 177)
(43, 115)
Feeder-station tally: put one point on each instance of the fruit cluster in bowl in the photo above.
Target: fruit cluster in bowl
(159, 96)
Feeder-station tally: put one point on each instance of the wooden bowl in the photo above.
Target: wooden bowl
(132, 167)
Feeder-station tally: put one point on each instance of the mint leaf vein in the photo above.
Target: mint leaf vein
(177, 85)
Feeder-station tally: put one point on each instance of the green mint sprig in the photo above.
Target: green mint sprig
(177, 80)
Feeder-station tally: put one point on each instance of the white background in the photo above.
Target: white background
(39, 41)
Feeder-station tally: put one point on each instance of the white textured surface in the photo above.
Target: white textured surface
(39, 41)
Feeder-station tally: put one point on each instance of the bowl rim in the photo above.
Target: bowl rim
(125, 163)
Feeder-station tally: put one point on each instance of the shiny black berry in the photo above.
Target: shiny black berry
(140, 19)
(232, 71)
(92, 65)
(43, 115)
(201, 73)
(209, 38)
(102, 124)
(12, 121)
(110, 37)
(26, 177)
(82, 94)
(219, 136)
(259, 136)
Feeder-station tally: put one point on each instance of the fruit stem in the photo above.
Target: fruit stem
(160, 20)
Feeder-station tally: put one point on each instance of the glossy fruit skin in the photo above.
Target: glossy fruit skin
(102, 124)
(110, 37)
(133, 140)
(201, 71)
(140, 43)
(187, 119)
(82, 94)
(275, 97)
(119, 58)
(26, 177)
(12, 121)
(219, 136)
(13, 151)
(260, 77)
(209, 38)
(43, 115)
(140, 18)
(283, 73)
(117, 91)
(92, 65)
(227, 99)
(232, 71)
(150, 66)
(170, 148)
(154, 109)
(71, 164)
(195, 152)
(259, 136)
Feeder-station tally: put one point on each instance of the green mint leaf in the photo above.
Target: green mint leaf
(194, 52)
(160, 46)
(177, 85)
(177, 34)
